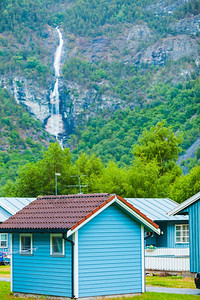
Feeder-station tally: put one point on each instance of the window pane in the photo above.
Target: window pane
(3, 244)
(3, 240)
(26, 243)
(3, 237)
(182, 233)
(57, 245)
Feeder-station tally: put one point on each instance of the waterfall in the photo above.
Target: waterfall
(55, 123)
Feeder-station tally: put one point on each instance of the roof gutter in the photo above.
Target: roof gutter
(72, 266)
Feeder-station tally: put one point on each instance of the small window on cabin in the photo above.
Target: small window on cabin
(3, 240)
(57, 245)
(26, 244)
(182, 233)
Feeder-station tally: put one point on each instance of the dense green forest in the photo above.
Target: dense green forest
(88, 17)
(113, 138)
(153, 172)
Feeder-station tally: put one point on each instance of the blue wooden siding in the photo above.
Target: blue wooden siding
(110, 254)
(167, 239)
(42, 273)
(194, 225)
(171, 238)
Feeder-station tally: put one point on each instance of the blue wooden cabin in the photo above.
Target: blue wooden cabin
(9, 207)
(78, 246)
(174, 229)
(191, 207)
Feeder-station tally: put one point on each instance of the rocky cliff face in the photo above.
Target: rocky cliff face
(134, 44)
(170, 48)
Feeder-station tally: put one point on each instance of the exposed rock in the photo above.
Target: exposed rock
(33, 97)
(173, 48)
(190, 153)
(166, 7)
(139, 33)
(188, 25)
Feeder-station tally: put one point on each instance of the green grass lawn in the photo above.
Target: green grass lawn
(4, 271)
(171, 281)
(5, 295)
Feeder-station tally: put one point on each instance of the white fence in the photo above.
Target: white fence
(167, 259)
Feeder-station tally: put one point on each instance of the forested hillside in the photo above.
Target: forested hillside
(126, 65)
(21, 137)
(115, 137)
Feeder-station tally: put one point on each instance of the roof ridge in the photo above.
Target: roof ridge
(74, 196)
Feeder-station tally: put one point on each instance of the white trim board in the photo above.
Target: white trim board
(11, 262)
(184, 204)
(126, 207)
(140, 218)
(75, 240)
(70, 232)
(143, 259)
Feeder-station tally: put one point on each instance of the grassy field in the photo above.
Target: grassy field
(5, 295)
(4, 271)
(171, 281)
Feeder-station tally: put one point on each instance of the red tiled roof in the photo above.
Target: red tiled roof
(60, 213)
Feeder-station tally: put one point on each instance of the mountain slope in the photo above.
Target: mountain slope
(114, 138)
(21, 137)
(116, 55)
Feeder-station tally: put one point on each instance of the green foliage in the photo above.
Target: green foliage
(20, 138)
(113, 137)
(186, 186)
(146, 177)
(161, 144)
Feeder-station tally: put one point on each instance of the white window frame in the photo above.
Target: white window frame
(6, 246)
(181, 236)
(24, 252)
(51, 245)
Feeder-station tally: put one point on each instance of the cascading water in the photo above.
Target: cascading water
(55, 123)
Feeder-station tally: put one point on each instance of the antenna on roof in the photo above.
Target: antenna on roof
(79, 183)
(56, 174)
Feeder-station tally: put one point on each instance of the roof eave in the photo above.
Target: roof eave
(184, 204)
(123, 203)
(33, 230)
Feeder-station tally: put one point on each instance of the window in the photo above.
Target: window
(182, 233)
(57, 245)
(3, 240)
(26, 244)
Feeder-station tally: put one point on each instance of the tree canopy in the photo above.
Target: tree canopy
(153, 172)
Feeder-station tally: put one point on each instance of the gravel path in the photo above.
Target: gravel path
(172, 290)
(5, 279)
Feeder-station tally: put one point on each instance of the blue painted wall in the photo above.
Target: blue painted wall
(167, 239)
(194, 224)
(110, 254)
(40, 273)
(171, 235)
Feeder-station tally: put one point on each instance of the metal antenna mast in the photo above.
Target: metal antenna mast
(79, 183)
